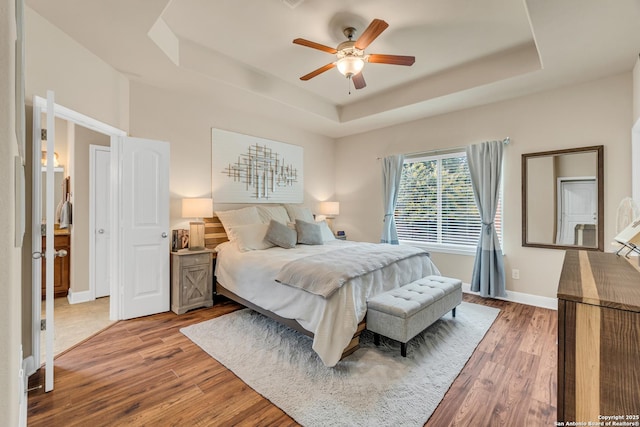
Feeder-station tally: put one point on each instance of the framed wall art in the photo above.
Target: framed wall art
(249, 169)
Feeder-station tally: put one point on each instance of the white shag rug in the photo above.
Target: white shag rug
(375, 386)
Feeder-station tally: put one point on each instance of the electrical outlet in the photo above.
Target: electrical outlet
(515, 274)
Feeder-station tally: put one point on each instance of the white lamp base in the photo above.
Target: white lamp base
(196, 236)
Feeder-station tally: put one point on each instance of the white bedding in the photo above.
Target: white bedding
(251, 275)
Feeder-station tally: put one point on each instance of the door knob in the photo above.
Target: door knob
(101, 231)
(164, 235)
(61, 253)
(37, 255)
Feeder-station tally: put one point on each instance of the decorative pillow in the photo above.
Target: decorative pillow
(277, 213)
(250, 237)
(281, 235)
(299, 212)
(309, 233)
(327, 234)
(232, 218)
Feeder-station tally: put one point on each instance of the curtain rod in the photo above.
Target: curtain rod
(505, 141)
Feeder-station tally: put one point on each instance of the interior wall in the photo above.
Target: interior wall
(80, 188)
(594, 113)
(10, 361)
(185, 120)
(636, 91)
(541, 204)
(81, 81)
(583, 165)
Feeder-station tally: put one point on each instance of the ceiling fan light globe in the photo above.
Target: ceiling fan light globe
(350, 65)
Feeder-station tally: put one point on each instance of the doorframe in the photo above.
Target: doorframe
(90, 123)
(560, 200)
(92, 216)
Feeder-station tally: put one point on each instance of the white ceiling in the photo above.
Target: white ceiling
(468, 52)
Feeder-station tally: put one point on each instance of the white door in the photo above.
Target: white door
(100, 224)
(578, 206)
(36, 234)
(143, 223)
(48, 252)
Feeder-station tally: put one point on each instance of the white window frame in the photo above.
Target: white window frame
(448, 248)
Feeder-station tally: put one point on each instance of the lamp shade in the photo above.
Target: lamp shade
(329, 208)
(197, 208)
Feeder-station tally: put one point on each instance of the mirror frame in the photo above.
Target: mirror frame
(599, 150)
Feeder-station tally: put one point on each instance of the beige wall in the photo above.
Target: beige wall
(81, 81)
(582, 115)
(185, 120)
(636, 91)
(10, 362)
(541, 206)
(577, 164)
(80, 180)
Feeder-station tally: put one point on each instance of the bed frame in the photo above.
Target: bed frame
(215, 235)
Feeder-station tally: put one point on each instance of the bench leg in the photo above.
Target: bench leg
(376, 339)
(403, 349)
(453, 312)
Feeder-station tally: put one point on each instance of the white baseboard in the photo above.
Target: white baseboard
(29, 365)
(521, 298)
(23, 386)
(78, 297)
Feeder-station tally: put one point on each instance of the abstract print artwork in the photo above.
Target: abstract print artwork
(248, 169)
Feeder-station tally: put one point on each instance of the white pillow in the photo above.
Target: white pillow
(250, 237)
(232, 218)
(327, 234)
(276, 213)
(299, 212)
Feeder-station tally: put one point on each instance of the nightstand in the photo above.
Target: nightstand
(191, 280)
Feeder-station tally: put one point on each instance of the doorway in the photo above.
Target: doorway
(75, 125)
(139, 208)
(577, 211)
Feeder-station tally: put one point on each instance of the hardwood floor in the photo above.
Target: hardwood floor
(145, 372)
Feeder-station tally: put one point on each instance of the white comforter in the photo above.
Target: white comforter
(333, 321)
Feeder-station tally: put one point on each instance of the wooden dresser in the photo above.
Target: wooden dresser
(598, 339)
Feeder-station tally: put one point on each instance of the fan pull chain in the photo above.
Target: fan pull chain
(349, 84)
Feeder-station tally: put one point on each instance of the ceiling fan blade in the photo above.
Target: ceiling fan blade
(315, 45)
(391, 59)
(374, 29)
(358, 81)
(318, 71)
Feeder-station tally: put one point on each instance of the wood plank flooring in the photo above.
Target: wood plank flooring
(145, 372)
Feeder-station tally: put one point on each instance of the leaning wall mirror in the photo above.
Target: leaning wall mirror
(563, 199)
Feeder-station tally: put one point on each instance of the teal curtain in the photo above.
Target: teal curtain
(485, 168)
(391, 174)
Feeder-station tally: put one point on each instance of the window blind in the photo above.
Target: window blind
(436, 204)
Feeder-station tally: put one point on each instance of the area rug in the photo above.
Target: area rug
(373, 386)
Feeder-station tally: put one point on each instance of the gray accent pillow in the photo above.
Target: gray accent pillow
(281, 235)
(309, 233)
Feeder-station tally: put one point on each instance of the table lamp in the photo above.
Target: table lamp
(330, 210)
(197, 208)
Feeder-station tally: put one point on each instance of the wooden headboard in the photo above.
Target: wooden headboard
(214, 233)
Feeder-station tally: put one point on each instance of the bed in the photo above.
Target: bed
(334, 320)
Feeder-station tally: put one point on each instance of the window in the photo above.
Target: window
(436, 206)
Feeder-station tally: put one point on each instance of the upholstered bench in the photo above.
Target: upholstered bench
(404, 312)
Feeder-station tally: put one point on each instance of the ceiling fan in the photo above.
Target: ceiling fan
(351, 56)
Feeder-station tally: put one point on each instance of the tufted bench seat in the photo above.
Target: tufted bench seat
(404, 312)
